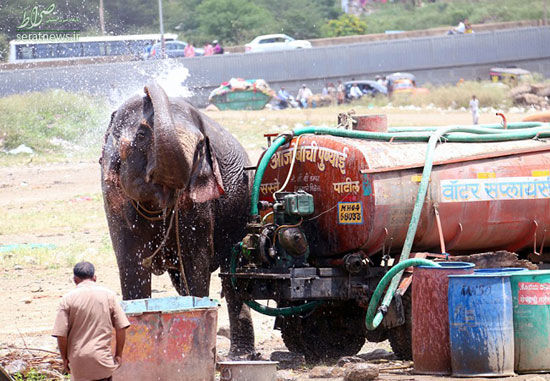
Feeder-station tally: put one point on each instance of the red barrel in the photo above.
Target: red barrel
(430, 317)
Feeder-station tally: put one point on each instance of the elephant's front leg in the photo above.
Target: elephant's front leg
(131, 244)
(240, 321)
(194, 252)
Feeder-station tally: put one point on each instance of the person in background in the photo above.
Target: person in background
(208, 49)
(324, 91)
(332, 93)
(283, 97)
(460, 29)
(474, 108)
(217, 47)
(340, 93)
(189, 50)
(84, 326)
(355, 93)
(303, 95)
(467, 27)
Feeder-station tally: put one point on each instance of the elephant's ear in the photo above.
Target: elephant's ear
(206, 181)
(173, 145)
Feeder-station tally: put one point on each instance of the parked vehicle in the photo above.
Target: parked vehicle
(367, 87)
(334, 210)
(511, 75)
(274, 42)
(403, 83)
(172, 49)
(84, 47)
(399, 83)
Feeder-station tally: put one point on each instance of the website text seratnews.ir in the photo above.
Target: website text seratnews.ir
(48, 35)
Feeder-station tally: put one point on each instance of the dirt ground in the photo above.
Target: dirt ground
(31, 292)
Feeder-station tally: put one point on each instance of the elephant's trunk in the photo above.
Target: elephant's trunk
(171, 162)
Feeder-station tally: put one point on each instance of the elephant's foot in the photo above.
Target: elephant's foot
(238, 355)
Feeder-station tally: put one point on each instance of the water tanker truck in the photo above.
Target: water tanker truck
(335, 210)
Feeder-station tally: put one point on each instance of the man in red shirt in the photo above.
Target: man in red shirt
(84, 327)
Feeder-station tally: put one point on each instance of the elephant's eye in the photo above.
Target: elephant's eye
(141, 135)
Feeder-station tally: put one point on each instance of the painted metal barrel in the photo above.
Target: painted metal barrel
(481, 327)
(500, 270)
(531, 298)
(171, 338)
(430, 317)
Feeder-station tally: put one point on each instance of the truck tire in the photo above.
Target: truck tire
(400, 337)
(327, 333)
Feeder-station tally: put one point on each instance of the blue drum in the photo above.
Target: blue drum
(481, 324)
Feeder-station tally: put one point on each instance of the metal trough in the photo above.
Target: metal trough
(170, 339)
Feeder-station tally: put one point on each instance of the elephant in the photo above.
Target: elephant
(176, 196)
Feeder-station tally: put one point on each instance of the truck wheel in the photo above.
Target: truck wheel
(400, 337)
(327, 333)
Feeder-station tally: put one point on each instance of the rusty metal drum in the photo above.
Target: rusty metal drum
(170, 338)
(481, 330)
(430, 322)
(531, 298)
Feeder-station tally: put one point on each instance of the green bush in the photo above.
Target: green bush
(345, 25)
(52, 121)
(400, 16)
(457, 96)
(450, 96)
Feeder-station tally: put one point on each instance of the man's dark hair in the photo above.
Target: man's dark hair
(84, 270)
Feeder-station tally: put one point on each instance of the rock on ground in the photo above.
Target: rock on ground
(286, 375)
(322, 371)
(224, 331)
(377, 354)
(360, 372)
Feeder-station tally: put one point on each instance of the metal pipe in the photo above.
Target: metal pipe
(439, 230)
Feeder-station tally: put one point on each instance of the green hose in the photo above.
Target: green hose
(509, 126)
(373, 318)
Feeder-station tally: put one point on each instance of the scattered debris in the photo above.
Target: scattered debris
(531, 94)
(349, 360)
(500, 258)
(24, 361)
(21, 149)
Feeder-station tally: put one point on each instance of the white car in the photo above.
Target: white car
(273, 42)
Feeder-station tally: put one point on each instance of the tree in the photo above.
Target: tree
(345, 25)
(297, 18)
(232, 21)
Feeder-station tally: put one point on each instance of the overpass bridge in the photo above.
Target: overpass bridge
(434, 59)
